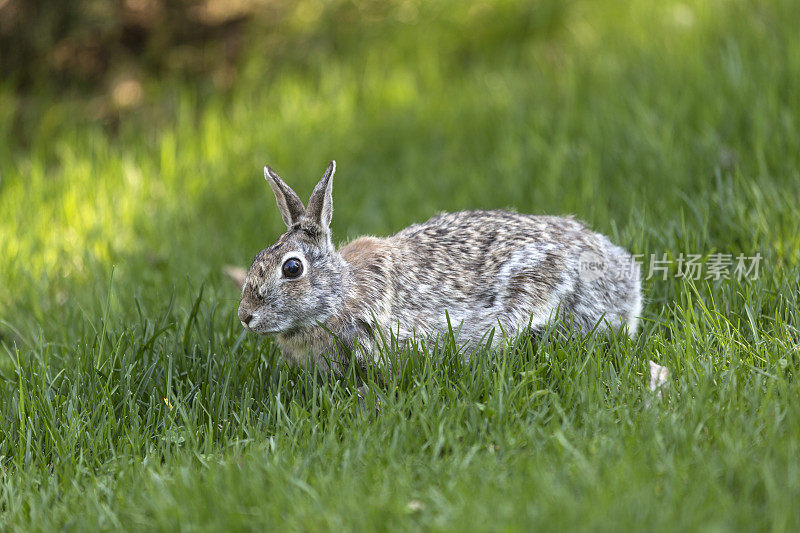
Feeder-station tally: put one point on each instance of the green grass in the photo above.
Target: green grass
(128, 398)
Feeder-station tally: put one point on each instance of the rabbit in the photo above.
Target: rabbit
(478, 270)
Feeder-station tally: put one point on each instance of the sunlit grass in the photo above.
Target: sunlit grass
(131, 400)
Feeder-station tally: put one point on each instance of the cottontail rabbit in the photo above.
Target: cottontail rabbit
(483, 268)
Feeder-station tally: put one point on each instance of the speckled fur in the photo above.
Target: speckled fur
(485, 269)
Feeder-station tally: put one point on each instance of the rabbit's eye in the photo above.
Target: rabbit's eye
(292, 268)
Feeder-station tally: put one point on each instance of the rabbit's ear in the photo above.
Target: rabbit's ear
(289, 203)
(320, 205)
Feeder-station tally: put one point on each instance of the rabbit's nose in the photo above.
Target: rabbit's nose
(245, 316)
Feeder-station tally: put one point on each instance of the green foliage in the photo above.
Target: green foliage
(130, 399)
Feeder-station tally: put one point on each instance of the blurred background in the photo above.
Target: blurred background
(133, 132)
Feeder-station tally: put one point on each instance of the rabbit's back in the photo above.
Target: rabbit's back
(490, 268)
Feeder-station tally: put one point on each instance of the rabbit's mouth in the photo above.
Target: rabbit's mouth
(274, 329)
(261, 331)
(254, 327)
(256, 322)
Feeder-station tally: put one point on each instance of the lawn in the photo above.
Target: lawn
(131, 399)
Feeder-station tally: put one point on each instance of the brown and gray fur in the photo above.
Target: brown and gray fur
(485, 269)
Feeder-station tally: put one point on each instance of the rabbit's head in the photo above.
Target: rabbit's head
(296, 282)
